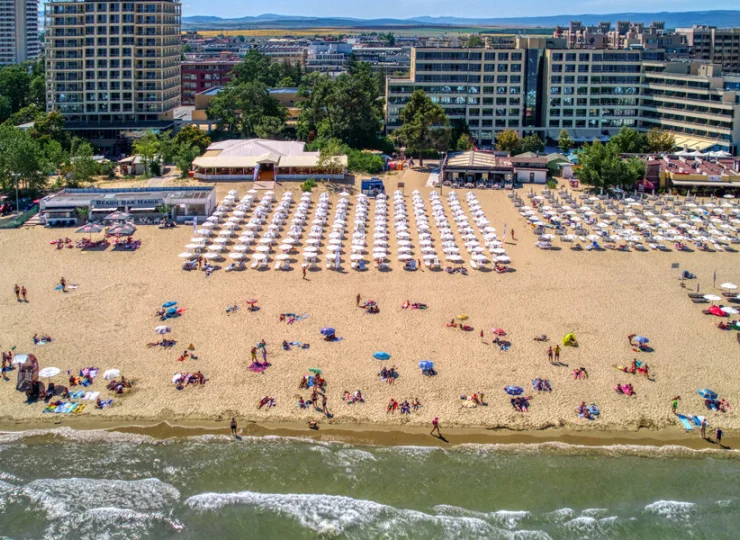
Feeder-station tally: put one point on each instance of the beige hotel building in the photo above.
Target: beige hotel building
(113, 67)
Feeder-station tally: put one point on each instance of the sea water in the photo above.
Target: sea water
(77, 484)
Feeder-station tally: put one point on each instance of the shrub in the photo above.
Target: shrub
(308, 185)
(552, 184)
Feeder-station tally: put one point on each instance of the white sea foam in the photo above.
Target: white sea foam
(509, 519)
(77, 435)
(332, 514)
(674, 510)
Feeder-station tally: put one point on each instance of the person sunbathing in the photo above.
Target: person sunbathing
(452, 324)
(372, 309)
(416, 404)
(405, 305)
(724, 405)
(392, 406)
(644, 370)
(541, 337)
(232, 309)
(405, 407)
(160, 313)
(477, 399)
(358, 397)
(266, 400)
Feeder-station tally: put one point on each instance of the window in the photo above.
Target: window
(583, 57)
(557, 57)
(583, 68)
(516, 68)
(570, 57)
(503, 56)
(502, 79)
(502, 67)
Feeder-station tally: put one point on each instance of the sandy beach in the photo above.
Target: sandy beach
(601, 297)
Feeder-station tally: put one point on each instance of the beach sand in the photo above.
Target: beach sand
(601, 297)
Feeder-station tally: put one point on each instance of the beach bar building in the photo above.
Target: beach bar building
(184, 203)
(264, 161)
(474, 167)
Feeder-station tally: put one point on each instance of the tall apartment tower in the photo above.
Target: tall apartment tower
(111, 66)
(19, 31)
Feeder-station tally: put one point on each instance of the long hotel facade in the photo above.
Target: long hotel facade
(536, 86)
(113, 66)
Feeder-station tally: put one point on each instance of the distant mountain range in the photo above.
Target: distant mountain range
(721, 19)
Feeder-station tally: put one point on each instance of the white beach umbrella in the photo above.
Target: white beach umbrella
(236, 256)
(111, 374)
(186, 255)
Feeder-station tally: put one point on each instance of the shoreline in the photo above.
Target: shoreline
(381, 434)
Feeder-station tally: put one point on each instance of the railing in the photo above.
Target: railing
(20, 220)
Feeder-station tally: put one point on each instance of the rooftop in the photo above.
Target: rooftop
(73, 197)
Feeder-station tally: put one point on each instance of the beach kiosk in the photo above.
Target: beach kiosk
(28, 370)
(373, 187)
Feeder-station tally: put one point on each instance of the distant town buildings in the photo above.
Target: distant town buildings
(19, 31)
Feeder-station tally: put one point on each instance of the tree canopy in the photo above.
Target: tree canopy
(245, 110)
(565, 142)
(424, 125)
(348, 107)
(629, 141)
(257, 67)
(601, 166)
(508, 141)
(531, 143)
(659, 140)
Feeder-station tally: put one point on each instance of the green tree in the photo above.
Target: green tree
(147, 147)
(193, 136)
(186, 154)
(50, 127)
(56, 155)
(83, 166)
(629, 141)
(23, 158)
(270, 127)
(5, 108)
(330, 152)
(424, 126)
(243, 109)
(24, 115)
(659, 140)
(15, 84)
(167, 147)
(531, 143)
(565, 143)
(508, 141)
(475, 41)
(601, 166)
(464, 143)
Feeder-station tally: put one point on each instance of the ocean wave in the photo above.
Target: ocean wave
(76, 435)
(672, 510)
(508, 519)
(334, 515)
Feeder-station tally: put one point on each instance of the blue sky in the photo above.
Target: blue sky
(465, 8)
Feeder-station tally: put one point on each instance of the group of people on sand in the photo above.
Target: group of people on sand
(521, 403)
(580, 373)
(636, 368)
(7, 361)
(388, 375)
(181, 380)
(119, 387)
(353, 397)
(405, 407)
(625, 389)
(413, 305)
(553, 355)
(461, 326)
(476, 399)
(21, 293)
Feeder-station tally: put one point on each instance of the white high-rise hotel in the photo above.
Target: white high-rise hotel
(19, 31)
(113, 66)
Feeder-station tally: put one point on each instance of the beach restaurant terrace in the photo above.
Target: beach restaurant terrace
(265, 161)
(474, 167)
(60, 208)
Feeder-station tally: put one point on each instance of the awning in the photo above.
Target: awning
(694, 144)
(132, 210)
(705, 184)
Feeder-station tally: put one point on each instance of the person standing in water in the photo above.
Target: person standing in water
(233, 426)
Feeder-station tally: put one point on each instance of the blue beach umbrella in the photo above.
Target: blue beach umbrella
(514, 390)
(641, 339)
(172, 311)
(426, 365)
(706, 393)
(328, 331)
(169, 304)
(380, 355)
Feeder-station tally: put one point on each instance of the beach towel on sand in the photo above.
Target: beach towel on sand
(685, 421)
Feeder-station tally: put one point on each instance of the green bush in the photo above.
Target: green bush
(552, 184)
(364, 162)
(308, 185)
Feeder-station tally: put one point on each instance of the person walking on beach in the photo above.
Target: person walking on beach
(17, 290)
(549, 354)
(512, 235)
(23, 293)
(323, 405)
(703, 426)
(557, 354)
(233, 426)
(674, 404)
(718, 435)
(253, 352)
(357, 300)
(304, 272)
(63, 283)
(435, 427)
